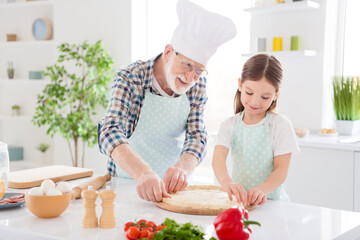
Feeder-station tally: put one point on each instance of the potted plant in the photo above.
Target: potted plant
(346, 101)
(10, 70)
(79, 83)
(43, 147)
(15, 110)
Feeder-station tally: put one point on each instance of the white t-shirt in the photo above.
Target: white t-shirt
(281, 132)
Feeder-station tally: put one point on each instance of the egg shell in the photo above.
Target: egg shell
(36, 191)
(63, 187)
(53, 192)
(46, 185)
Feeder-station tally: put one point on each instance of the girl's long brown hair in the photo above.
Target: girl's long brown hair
(257, 67)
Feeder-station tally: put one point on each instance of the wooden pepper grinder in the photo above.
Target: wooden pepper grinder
(107, 219)
(90, 219)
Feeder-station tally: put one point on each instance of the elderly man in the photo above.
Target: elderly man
(153, 130)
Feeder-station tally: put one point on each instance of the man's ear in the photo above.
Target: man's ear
(167, 52)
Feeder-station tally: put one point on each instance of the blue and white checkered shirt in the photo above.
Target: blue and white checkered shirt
(128, 93)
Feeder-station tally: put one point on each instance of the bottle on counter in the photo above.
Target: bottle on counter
(4, 163)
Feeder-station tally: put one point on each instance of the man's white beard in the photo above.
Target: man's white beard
(171, 78)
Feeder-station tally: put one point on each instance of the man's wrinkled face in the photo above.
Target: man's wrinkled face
(179, 79)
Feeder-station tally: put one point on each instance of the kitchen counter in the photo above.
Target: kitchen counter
(280, 220)
(329, 142)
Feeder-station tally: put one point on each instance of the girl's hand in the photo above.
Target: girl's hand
(256, 197)
(235, 189)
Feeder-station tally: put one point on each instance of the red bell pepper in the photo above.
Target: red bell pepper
(233, 224)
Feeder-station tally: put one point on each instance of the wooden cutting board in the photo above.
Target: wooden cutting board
(197, 209)
(33, 177)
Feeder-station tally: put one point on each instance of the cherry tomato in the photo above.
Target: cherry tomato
(128, 224)
(159, 227)
(150, 224)
(133, 233)
(151, 235)
(144, 234)
(142, 223)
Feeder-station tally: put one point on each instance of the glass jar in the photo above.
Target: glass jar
(4, 163)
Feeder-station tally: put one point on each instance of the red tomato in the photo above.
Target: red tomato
(151, 235)
(142, 223)
(128, 224)
(132, 233)
(144, 234)
(159, 227)
(150, 224)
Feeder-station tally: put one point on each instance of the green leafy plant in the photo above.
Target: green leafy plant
(346, 98)
(177, 231)
(79, 83)
(42, 147)
(15, 107)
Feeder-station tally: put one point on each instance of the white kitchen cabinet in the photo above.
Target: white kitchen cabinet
(326, 173)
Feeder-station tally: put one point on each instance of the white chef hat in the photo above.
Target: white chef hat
(200, 32)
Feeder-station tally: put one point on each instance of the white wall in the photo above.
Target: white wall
(92, 20)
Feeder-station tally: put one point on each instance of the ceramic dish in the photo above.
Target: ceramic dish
(329, 134)
(11, 205)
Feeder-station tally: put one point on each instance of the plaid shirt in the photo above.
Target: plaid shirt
(127, 98)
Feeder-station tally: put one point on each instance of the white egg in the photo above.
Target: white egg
(46, 185)
(63, 187)
(53, 192)
(36, 191)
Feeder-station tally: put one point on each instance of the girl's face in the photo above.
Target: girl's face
(257, 96)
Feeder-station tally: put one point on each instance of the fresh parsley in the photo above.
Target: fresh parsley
(175, 231)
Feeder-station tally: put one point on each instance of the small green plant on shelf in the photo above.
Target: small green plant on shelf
(10, 70)
(43, 147)
(15, 110)
(346, 98)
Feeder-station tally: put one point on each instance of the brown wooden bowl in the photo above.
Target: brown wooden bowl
(47, 206)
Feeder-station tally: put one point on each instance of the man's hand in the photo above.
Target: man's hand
(150, 187)
(175, 179)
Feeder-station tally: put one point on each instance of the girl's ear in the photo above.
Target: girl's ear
(277, 95)
(240, 84)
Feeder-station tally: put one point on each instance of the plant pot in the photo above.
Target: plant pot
(348, 127)
(11, 74)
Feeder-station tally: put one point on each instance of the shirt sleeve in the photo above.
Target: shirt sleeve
(224, 136)
(112, 128)
(196, 135)
(284, 137)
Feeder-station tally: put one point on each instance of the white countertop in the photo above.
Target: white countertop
(279, 220)
(329, 142)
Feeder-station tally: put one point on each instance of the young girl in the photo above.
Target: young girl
(260, 140)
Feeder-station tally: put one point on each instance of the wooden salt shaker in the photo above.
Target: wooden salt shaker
(90, 219)
(107, 219)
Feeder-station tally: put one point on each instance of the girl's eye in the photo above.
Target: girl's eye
(266, 98)
(249, 93)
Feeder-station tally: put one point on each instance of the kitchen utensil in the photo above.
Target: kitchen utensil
(33, 177)
(96, 183)
(47, 206)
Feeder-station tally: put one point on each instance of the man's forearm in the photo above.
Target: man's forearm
(129, 161)
(187, 162)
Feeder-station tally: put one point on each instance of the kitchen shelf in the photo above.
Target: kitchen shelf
(284, 7)
(304, 53)
(15, 118)
(41, 43)
(25, 4)
(24, 81)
